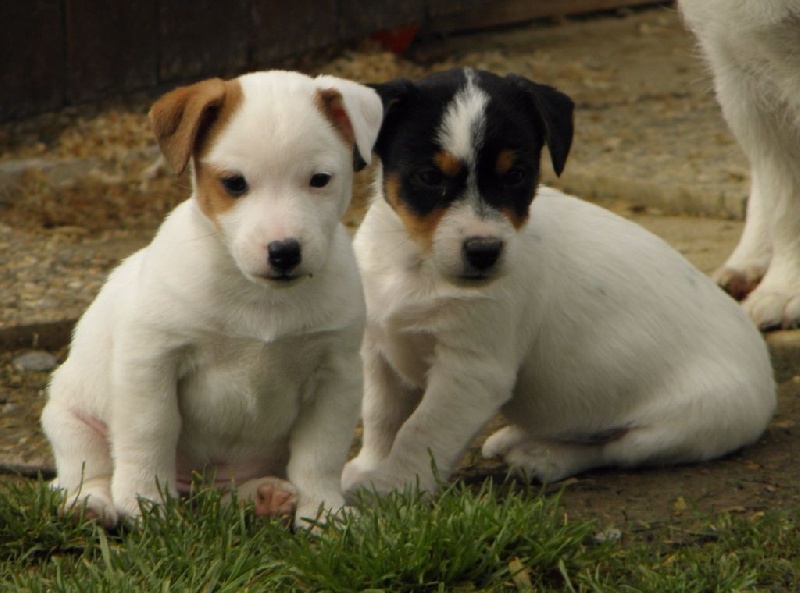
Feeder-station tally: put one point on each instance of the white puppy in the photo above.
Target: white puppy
(230, 343)
(598, 342)
(754, 52)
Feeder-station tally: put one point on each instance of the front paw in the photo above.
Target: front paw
(93, 502)
(773, 306)
(739, 282)
(272, 497)
(312, 512)
(386, 478)
(354, 472)
(128, 499)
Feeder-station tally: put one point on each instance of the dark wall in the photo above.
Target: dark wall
(59, 52)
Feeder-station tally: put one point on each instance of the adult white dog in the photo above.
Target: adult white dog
(754, 52)
(598, 342)
(230, 343)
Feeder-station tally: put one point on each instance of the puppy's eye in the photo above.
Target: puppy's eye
(320, 180)
(429, 177)
(235, 185)
(515, 177)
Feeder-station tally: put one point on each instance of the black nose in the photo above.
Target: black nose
(284, 255)
(482, 252)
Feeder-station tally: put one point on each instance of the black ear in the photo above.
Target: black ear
(556, 113)
(394, 95)
(392, 92)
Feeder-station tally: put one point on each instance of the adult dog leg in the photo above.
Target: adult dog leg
(763, 118)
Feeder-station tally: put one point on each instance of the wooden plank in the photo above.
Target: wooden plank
(202, 38)
(31, 57)
(443, 8)
(111, 47)
(506, 12)
(281, 29)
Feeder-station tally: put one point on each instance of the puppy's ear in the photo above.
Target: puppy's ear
(393, 92)
(355, 111)
(180, 117)
(556, 114)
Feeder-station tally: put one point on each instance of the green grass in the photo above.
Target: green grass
(497, 539)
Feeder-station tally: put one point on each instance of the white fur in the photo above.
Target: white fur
(597, 327)
(753, 49)
(190, 360)
(463, 123)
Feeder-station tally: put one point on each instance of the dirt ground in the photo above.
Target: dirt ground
(650, 145)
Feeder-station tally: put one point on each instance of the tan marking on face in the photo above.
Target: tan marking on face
(331, 105)
(210, 193)
(505, 160)
(514, 218)
(420, 228)
(447, 163)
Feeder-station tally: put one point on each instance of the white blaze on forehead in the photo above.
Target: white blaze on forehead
(462, 127)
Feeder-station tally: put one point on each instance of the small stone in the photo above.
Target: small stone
(36, 360)
(607, 535)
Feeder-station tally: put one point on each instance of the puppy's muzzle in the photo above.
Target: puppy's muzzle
(284, 256)
(481, 254)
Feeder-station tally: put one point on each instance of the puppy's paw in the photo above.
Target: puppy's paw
(551, 461)
(500, 442)
(273, 497)
(739, 282)
(93, 503)
(312, 513)
(386, 478)
(772, 306)
(354, 472)
(129, 502)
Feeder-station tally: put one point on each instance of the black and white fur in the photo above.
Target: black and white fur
(599, 343)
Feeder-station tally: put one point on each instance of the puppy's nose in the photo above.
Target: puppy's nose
(284, 255)
(482, 252)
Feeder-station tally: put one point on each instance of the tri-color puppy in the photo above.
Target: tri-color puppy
(230, 343)
(599, 343)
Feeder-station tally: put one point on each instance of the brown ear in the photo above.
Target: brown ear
(179, 117)
(354, 111)
(331, 104)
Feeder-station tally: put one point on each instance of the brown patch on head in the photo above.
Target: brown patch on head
(187, 119)
(504, 162)
(420, 228)
(447, 163)
(331, 104)
(210, 193)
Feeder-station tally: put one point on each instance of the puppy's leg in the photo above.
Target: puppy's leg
(145, 424)
(465, 390)
(387, 405)
(552, 460)
(83, 460)
(321, 435)
(272, 496)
